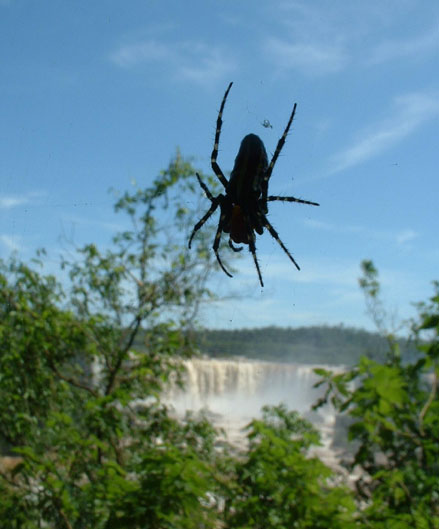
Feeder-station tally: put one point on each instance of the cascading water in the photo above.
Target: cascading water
(233, 392)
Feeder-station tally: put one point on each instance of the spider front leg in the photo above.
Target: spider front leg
(279, 147)
(219, 122)
(202, 221)
(215, 203)
(291, 199)
(217, 240)
(205, 188)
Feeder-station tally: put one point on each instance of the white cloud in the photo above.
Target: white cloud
(12, 201)
(406, 236)
(411, 111)
(193, 61)
(396, 49)
(7, 202)
(309, 57)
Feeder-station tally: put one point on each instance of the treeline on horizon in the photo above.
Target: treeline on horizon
(308, 345)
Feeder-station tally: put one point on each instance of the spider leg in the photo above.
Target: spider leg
(205, 188)
(274, 234)
(291, 199)
(279, 147)
(200, 223)
(252, 249)
(216, 243)
(234, 248)
(219, 122)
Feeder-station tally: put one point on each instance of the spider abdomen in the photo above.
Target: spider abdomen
(238, 227)
(248, 172)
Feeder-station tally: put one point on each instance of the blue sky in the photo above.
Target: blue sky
(95, 95)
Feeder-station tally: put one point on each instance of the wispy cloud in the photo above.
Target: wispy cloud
(404, 48)
(406, 236)
(308, 57)
(192, 61)
(332, 284)
(133, 54)
(411, 111)
(211, 65)
(12, 242)
(327, 37)
(277, 266)
(327, 226)
(400, 238)
(12, 201)
(7, 202)
(113, 227)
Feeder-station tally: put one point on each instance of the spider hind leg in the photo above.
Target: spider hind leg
(252, 250)
(275, 236)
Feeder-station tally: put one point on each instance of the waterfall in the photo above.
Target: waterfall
(233, 392)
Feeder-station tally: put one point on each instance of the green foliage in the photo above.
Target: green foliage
(279, 485)
(78, 404)
(394, 409)
(83, 367)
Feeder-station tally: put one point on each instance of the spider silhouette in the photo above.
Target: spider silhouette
(244, 206)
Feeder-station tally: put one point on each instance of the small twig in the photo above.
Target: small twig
(64, 517)
(69, 380)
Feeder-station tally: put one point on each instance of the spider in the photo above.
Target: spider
(244, 206)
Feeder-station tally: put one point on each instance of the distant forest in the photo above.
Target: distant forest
(308, 345)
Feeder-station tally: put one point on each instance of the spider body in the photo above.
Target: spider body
(244, 189)
(244, 205)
